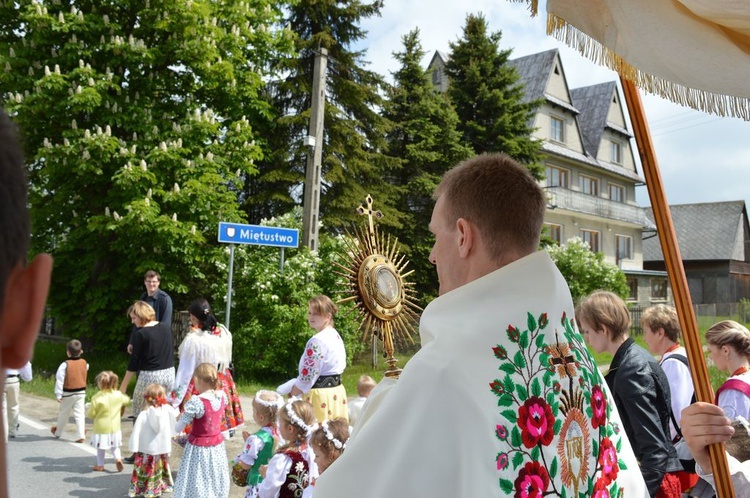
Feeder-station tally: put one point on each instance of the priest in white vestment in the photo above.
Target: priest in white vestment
(504, 398)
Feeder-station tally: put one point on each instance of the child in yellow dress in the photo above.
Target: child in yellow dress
(105, 410)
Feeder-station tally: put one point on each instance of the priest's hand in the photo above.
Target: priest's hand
(704, 424)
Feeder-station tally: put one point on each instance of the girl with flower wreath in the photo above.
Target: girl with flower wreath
(207, 342)
(328, 442)
(259, 447)
(293, 466)
(151, 443)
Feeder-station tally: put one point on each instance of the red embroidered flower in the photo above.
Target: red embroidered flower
(608, 461)
(304, 371)
(557, 387)
(532, 481)
(543, 320)
(502, 461)
(536, 422)
(502, 432)
(600, 490)
(309, 352)
(598, 407)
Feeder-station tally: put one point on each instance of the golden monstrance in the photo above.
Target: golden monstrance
(378, 285)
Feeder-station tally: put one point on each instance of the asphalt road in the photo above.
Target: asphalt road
(40, 465)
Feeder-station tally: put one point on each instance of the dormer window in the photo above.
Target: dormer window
(557, 129)
(615, 152)
(437, 77)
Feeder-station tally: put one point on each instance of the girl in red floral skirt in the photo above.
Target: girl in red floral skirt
(151, 442)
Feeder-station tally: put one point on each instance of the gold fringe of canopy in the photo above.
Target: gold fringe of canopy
(684, 73)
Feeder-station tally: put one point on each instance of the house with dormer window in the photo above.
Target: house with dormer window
(591, 172)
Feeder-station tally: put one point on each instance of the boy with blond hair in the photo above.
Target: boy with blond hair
(365, 384)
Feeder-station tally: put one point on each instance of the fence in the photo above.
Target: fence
(709, 313)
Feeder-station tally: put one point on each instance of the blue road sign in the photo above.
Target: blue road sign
(237, 233)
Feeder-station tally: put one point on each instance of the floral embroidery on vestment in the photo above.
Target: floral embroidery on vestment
(550, 388)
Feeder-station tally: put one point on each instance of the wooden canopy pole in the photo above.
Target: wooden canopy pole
(677, 280)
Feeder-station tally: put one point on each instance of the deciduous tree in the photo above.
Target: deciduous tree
(586, 271)
(139, 119)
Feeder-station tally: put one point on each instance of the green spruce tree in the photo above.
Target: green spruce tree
(488, 97)
(425, 137)
(354, 161)
(139, 121)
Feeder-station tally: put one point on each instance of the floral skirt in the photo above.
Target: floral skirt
(151, 475)
(232, 412)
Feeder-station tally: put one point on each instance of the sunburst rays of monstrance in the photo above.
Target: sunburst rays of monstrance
(378, 284)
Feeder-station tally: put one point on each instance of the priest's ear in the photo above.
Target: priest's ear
(22, 309)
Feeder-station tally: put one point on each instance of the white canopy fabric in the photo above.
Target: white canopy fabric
(692, 52)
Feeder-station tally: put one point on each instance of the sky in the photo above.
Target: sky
(701, 157)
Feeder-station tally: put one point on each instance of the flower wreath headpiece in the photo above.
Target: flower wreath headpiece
(336, 443)
(269, 404)
(296, 420)
(158, 401)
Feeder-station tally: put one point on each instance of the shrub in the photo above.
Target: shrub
(270, 305)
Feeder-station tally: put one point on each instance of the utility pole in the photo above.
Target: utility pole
(314, 141)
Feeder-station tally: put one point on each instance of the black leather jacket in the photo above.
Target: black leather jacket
(641, 393)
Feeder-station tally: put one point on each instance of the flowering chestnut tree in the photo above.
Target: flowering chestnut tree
(139, 119)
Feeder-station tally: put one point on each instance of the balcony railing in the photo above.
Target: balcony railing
(570, 200)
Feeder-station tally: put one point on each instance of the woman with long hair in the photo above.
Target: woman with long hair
(207, 342)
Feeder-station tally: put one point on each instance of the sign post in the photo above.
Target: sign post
(238, 233)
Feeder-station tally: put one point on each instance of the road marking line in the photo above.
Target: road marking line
(43, 427)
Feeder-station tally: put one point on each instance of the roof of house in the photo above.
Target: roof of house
(712, 231)
(594, 103)
(534, 71)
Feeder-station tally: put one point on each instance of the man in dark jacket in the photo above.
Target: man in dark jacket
(157, 298)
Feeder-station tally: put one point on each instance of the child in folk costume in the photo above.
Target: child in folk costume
(70, 391)
(328, 442)
(259, 447)
(106, 409)
(204, 464)
(293, 466)
(151, 443)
